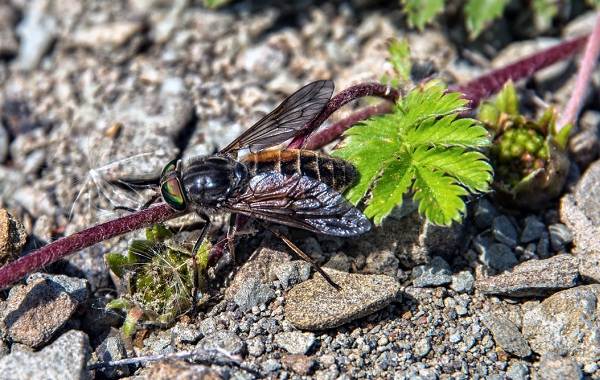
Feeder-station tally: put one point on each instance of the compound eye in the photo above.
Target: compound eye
(172, 193)
(170, 167)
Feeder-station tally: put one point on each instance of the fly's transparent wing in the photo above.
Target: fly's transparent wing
(299, 201)
(287, 120)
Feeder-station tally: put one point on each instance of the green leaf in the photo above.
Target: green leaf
(479, 13)
(593, 3)
(422, 12)
(399, 57)
(117, 263)
(421, 146)
(507, 100)
(215, 3)
(544, 12)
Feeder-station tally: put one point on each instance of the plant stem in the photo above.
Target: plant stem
(492, 82)
(586, 67)
(62, 247)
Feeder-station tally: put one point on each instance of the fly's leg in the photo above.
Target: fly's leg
(195, 274)
(305, 257)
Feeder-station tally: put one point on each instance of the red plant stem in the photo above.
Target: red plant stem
(587, 64)
(492, 82)
(60, 248)
(341, 99)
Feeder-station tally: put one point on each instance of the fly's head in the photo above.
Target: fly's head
(170, 186)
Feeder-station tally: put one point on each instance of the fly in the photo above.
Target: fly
(295, 187)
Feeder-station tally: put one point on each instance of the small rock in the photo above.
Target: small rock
(434, 274)
(560, 235)
(499, 256)
(517, 371)
(262, 60)
(422, 347)
(271, 365)
(315, 305)
(589, 267)
(533, 229)
(110, 35)
(462, 282)
(340, 261)
(186, 333)
(225, 340)
(485, 212)
(567, 323)
(8, 41)
(37, 31)
(34, 312)
(178, 370)
(554, 366)
(253, 294)
(585, 146)
(382, 262)
(543, 247)
(12, 237)
(504, 231)
(3, 144)
(112, 348)
(295, 342)
(292, 272)
(506, 335)
(301, 364)
(533, 278)
(66, 358)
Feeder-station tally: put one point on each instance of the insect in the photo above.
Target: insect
(294, 187)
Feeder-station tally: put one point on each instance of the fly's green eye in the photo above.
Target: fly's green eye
(172, 193)
(170, 167)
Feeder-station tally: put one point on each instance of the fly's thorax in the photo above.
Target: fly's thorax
(210, 180)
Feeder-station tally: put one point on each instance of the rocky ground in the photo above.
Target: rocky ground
(85, 85)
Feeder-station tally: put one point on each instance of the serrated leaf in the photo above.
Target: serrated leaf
(399, 57)
(422, 145)
(479, 13)
(507, 100)
(421, 12)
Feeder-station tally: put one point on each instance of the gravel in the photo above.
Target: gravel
(506, 335)
(12, 236)
(533, 229)
(434, 274)
(504, 231)
(295, 342)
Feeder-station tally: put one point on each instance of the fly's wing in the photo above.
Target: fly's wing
(301, 202)
(287, 120)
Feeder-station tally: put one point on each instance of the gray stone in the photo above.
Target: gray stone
(532, 230)
(543, 246)
(589, 267)
(8, 41)
(3, 144)
(37, 31)
(462, 282)
(560, 235)
(435, 273)
(253, 294)
(566, 323)
(422, 347)
(504, 231)
(315, 305)
(225, 340)
(499, 256)
(556, 367)
(340, 261)
(292, 272)
(295, 342)
(12, 237)
(106, 36)
(484, 214)
(66, 358)
(382, 262)
(35, 312)
(185, 333)
(506, 335)
(263, 61)
(517, 371)
(271, 365)
(533, 278)
(112, 348)
(585, 146)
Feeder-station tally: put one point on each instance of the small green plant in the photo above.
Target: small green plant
(421, 12)
(399, 60)
(421, 147)
(528, 156)
(157, 278)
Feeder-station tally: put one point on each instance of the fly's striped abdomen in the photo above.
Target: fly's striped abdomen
(334, 172)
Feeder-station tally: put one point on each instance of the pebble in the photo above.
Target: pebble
(435, 273)
(517, 371)
(185, 333)
(112, 348)
(554, 366)
(225, 340)
(533, 278)
(37, 31)
(566, 322)
(66, 358)
(295, 342)
(422, 347)
(560, 236)
(109, 35)
(301, 364)
(292, 272)
(498, 256)
(34, 312)
(8, 42)
(382, 262)
(532, 230)
(12, 237)
(506, 335)
(543, 247)
(484, 214)
(589, 267)
(263, 61)
(504, 231)
(462, 282)
(271, 365)
(4, 143)
(315, 305)
(339, 261)
(253, 294)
